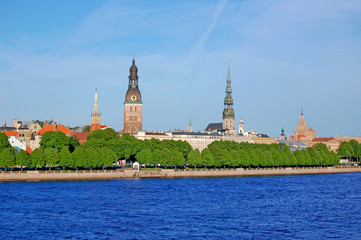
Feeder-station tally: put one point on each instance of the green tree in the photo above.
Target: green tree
(178, 158)
(145, 156)
(156, 156)
(301, 161)
(346, 150)
(86, 128)
(227, 158)
(307, 157)
(107, 157)
(106, 134)
(315, 156)
(79, 157)
(55, 140)
(269, 158)
(92, 157)
(261, 157)
(4, 142)
(235, 161)
(37, 158)
(65, 158)
(244, 159)
(217, 154)
(277, 158)
(194, 158)
(292, 158)
(207, 158)
(22, 159)
(7, 158)
(252, 157)
(51, 157)
(166, 157)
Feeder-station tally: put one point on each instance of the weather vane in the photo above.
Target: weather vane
(133, 53)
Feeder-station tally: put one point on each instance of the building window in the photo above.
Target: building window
(130, 119)
(130, 109)
(135, 109)
(135, 119)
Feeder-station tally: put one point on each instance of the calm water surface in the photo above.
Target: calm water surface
(277, 207)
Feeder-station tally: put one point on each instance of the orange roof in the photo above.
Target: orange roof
(311, 130)
(29, 150)
(300, 136)
(11, 133)
(53, 128)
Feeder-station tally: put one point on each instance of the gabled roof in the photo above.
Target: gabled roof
(53, 128)
(213, 126)
(311, 130)
(11, 133)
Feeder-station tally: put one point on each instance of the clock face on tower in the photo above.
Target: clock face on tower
(133, 97)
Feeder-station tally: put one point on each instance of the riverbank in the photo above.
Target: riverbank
(165, 173)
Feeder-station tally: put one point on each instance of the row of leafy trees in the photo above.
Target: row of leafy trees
(351, 150)
(232, 154)
(104, 147)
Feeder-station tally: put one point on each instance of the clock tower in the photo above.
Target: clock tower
(133, 105)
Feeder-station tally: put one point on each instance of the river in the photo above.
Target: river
(273, 207)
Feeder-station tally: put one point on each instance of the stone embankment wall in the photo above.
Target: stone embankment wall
(165, 173)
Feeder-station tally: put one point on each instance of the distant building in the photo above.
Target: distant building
(133, 105)
(36, 138)
(95, 116)
(303, 133)
(283, 136)
(81, 136)
(241, 127)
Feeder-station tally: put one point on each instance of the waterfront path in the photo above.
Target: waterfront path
(165, 173)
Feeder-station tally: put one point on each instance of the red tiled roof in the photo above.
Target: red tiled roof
(322, 139)
(11, 133)
(81, 135)
(53, 128)
(154, 133)
(311, 130)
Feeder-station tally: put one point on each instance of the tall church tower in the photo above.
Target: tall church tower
(133, 105)
(228, 112)
(95, 116)
(301, 128)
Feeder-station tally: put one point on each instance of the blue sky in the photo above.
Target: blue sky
(285, 55)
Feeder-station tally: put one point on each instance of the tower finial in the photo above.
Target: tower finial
(302, 111)
(133, 53)
(229, 68)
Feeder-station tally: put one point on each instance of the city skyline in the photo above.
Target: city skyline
(286, 55)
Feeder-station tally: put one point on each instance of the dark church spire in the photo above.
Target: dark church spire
(228, 100)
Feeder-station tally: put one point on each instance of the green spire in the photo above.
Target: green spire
(190, 123)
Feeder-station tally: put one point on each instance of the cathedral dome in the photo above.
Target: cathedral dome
(133, 94)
